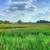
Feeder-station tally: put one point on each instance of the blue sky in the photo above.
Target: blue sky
(25, 10)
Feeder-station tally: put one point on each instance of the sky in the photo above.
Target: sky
(25, 10)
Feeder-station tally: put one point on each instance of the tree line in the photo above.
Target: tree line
(43, 21)
(21, 22)
(4, 22)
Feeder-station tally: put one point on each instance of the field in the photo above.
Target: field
(25, 36)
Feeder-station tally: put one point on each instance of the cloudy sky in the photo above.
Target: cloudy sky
(25, 10)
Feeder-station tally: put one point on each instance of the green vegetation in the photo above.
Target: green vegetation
(25, 36)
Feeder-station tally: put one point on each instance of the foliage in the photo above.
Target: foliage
(5, 22)
(43, 21)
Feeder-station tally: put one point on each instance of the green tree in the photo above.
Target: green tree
(19, 22)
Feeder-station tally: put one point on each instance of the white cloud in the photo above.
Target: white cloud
(35, 14)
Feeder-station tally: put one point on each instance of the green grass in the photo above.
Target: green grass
(25, 37)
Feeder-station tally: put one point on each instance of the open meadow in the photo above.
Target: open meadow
(25, 36)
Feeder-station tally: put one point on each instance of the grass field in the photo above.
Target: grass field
(25, 36)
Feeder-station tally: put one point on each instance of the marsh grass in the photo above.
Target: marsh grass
(30, 37)
(24, 41)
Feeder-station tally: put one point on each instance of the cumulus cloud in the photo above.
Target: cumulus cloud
(26, 10)
(14, 5)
